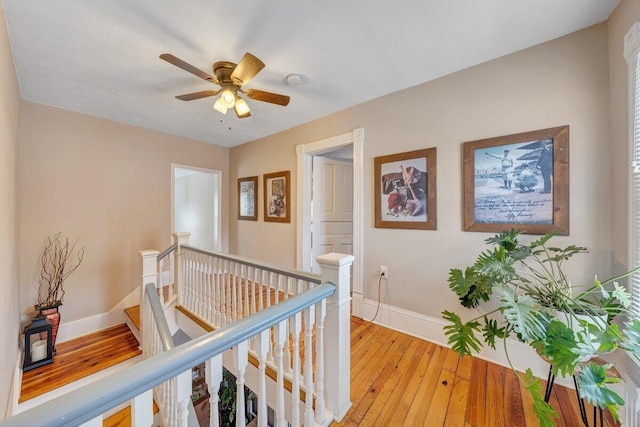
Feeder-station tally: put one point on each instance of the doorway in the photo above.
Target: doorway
(195, 195)
(306, 154)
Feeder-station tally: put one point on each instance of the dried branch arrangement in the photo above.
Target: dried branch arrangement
(56, 264)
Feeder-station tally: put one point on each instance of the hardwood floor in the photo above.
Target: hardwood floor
(79, 358)
(399, 380)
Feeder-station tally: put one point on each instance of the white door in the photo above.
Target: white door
(332, 217)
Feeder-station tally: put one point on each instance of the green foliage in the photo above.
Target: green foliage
(491, 331)
(529, 286)
(462, 336)
(542, 409)
(593, 381)
(227, 402)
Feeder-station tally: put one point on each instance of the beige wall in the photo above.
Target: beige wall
(9, 302)
(562, 82)
(109, 185)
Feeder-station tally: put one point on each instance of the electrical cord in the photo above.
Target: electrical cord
(378, 308)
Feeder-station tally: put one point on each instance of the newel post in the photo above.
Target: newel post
(180, 238)
(149, 275)
(336, 269)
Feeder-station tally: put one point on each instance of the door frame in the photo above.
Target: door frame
(218, 245)
(305, 152)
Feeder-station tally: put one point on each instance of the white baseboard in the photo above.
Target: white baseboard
(87, 325)
(431, 329)
(16, 387)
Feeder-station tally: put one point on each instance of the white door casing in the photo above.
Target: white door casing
(332, 218)
(305, 153)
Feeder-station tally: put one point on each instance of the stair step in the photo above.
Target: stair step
(122, 418)
(80, 358)
(133, 313)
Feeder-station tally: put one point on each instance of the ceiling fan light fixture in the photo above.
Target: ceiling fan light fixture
(219, 106)
(241, 108)
(228, 98)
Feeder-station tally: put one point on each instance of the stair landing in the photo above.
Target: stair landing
(79, 358)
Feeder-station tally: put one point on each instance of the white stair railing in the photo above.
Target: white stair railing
(220, 289)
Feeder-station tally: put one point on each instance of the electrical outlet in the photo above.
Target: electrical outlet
(384, 271)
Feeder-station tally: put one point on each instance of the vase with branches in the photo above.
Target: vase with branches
(569, 326)
(59, 260)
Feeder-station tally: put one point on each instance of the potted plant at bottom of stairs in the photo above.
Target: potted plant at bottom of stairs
(58, 261)
(538, 305)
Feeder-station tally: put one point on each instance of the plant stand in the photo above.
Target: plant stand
(598, 413)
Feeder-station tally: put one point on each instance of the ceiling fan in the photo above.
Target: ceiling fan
(231, 78)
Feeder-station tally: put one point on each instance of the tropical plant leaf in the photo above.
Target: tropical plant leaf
(621, 295)
(508, 239)
(542, 240)
(462, 336)
(460, 282)
(470, 286)
(593, 381)
(632, 341)
(528, 321)
(492, 331)
(559, 343)
(542, 409)
(496, 264)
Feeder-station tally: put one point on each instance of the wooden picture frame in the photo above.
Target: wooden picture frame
(405, 190)
(248, 198)
(527, 191)
(277, 197)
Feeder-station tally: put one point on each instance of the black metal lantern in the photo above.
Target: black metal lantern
(38, 343)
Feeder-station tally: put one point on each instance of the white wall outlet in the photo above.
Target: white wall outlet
(384, 271)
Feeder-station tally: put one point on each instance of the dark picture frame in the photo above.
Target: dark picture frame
(527, 191)
(405, 190)
(248, 198)
(277, 197)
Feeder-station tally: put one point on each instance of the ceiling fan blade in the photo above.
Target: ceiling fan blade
(187, 67)
(273, 98)
(197, 95)
(246, 69)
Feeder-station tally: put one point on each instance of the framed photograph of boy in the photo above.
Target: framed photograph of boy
(405, 190)
(247, 198)
(277, 197)
(518, 181)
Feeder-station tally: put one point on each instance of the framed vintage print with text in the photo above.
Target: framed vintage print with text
(277, 197)
(518, 181)
(248, 198)
(405, 190)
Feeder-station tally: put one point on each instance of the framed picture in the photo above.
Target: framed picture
(277, 197)
(247, 198)
(518, 181)
(405, 190)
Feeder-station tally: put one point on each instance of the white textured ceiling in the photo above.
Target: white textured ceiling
(101, 57)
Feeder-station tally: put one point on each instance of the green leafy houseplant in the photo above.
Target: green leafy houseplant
(537, 304)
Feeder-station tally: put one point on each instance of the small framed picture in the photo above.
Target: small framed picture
(247, 198)
(518, 181)
(277, 197)
(405, 190)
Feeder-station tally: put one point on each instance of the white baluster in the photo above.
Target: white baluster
(279, 337)
(321, 311)
(213, 377)
(142, 409)
(262, 289)
(227, 298)
(184, 390)
(309, 320)
(254, 278)
(240, 359)
(262, 348)
(295, 325)
(180, 239)
(245, 283)
(159, 267)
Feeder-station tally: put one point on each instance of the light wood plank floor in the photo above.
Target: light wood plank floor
(79, 358)
(399, 380)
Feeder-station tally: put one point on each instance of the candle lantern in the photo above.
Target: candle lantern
(38, 343)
